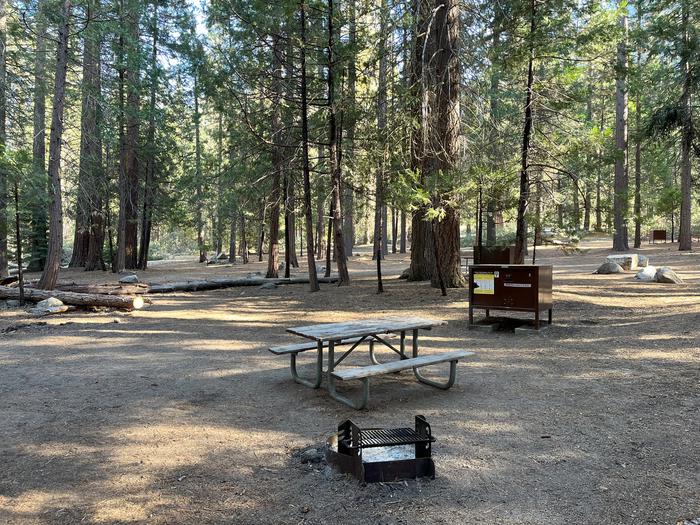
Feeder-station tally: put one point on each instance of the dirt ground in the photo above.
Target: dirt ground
(178, 414)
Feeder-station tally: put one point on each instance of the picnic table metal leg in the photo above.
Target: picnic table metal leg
(437, 384)
(372, 357)
(316, 383)
(357, 405)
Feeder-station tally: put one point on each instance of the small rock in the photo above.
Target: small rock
(666, 275)
(405, 273)
(643, 261)
(320, 269)
(268, 286)
(129, 279)
(609, 267)
(646, 275)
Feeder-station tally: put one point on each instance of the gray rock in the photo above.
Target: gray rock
(666, 275)
(320, 269)
(129, 279)
(253, 275)
(49, 306)
(609, 267)
(268, 286)
(405, 273)
(646, 275)
(281, 267)
(628, 261)
(643, 261)
(12, 303)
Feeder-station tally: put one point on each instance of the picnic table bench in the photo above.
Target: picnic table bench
(326, 337)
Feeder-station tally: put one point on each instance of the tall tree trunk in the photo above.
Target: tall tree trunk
(422, 252)
(3, 139)
(198, 175)
(273, 260)
(685, 240)
(39, 200)
(599, 182)
(444, 130)
(311, 262)
(261, 229)
(335, 159)
(133, 121)
(402, 244)
(621, 185)
(379, 240)
(521, 221)
(232, 238)
(91, 167)
(151, 152)
(394, 230)
(350, 119)
(88, 176)
(53, 260)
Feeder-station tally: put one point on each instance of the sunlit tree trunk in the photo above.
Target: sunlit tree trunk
(53, 260)
(621, 185)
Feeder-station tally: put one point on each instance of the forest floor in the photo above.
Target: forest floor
(178, 414)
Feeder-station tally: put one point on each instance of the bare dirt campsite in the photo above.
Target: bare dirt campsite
(177, 413)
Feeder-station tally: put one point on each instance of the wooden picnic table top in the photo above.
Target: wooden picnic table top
(337, 331)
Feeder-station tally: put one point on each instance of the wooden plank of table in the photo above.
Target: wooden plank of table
(335, 331)
(396, 366)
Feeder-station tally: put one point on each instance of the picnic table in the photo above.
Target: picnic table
(326, 337)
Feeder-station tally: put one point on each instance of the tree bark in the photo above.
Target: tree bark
(379, 241)
(685, 240)
(53, 259)
(39, 225)
(150, 175)
(444, 131)
(348, 207)
(3, 139)
(311, 262)
(521, 221)
(335, 159)
(232, 239)
(88, 172)
(621, 185)
(273, 260)
(91, 141)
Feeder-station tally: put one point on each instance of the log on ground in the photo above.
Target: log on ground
(34, 295)
(216, 284)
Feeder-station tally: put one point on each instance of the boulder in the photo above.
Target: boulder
(129, 279)
(405, 273)
(608, 268)
(666, 275)
(646, 275)
(643, 261)
(628, 261)
(49, 306)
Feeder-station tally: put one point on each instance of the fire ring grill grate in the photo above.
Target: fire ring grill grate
(396, 453)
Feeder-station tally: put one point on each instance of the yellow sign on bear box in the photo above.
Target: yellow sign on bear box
(484, 283)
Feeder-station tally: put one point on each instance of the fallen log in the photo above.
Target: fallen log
(95, 288)
(216, 284)
(76, 299)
